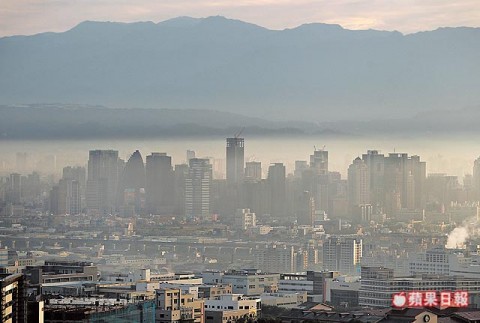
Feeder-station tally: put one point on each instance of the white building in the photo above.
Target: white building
(275, 258)
(232, 302)
(244, 219)
(343, 254)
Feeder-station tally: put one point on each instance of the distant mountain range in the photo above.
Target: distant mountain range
(58, 121)
(314, 72)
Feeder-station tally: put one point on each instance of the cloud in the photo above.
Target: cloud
(34, 16)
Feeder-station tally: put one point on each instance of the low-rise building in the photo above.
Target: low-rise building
(378, 285)
(284, 299)
(173, 305)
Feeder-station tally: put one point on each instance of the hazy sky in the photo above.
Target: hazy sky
(34, 16)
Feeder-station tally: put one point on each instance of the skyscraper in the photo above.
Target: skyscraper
(305, 208)
(102, 181)
(235, 160)
(14, 192)
(376, 168)
(253, 171)
(277, 185)
(319, 162)
(133, 181)
(404, 182)
(476, 178)
(197, 188)
(358, 184)
(159, 183)
(320, 180)
(65, 197)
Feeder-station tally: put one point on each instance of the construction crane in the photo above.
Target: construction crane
(237, 134)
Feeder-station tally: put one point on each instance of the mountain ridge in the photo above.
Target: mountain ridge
(311, 72)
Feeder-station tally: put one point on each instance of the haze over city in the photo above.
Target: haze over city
(239, 161)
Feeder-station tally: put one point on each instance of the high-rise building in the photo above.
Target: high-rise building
(235, 160)
(102, 182)
(343, 254)
(14, 192)
(404, 181)
(13, 298)
(253, 171)
(65, 197)
(476, 178)
(160, 188)
(319, 162)
(197, 188)
(376, 167)
(132, 183)
(397, 181)
(305, 208)
(358, 183)
(277, 185)
(190, 155)
(181, 173)
(319, 179)
(300, 166)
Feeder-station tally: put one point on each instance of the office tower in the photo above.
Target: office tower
(54, 200)
(190, 155)
(376, 166)
(338, 197)
(305, 208)
(132, 183)
(235, 160)
(14, 192)
(197, 189)
(277, 185)
(77, 174)
(476, 178)
(404, 182)
(320, 179)
(253, 171)
(319, 162)
(160, 188)
(358, 184)
(69, 197)
(102, 181)
(65, 197)
(342, 254)
(300, 166)
(256, 196)
(180, 174)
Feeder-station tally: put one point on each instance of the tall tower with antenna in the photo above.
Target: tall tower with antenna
(235, 159)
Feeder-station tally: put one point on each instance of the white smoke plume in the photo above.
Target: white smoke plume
(458, 237)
